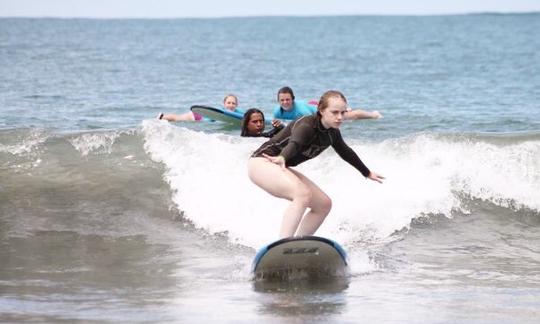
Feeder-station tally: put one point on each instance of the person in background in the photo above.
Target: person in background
(230, 102)
(271, 165)
(288, 108)
(253, 125)
(291, 109)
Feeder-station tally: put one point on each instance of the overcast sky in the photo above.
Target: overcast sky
(216, 8)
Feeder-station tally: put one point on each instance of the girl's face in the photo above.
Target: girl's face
(255, 124)
(230, 103)
(334, 114)
(285, 101)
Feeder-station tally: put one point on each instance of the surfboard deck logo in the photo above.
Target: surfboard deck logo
(299, 257)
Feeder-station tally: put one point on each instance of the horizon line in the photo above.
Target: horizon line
(479, 13)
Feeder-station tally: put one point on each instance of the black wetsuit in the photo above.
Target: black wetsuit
(304, 139)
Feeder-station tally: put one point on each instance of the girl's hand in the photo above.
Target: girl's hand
(376, 177)
(375, 114)
(276, 123)
(279, 160)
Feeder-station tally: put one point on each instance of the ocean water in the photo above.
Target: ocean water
(108, 214)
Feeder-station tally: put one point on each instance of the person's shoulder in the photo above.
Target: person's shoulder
(299, 103)
(304, 106)
(302, 129)
(277, 111)
(307, 121)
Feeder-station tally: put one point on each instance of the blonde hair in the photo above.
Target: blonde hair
(324, 101)
(231, 95)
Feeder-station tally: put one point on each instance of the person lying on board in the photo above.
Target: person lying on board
(253, 125)
(271, 165)
(230, 102)
(291, 109)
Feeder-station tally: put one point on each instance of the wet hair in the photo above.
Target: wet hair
(247, 118)
(324, 101)
(230, 95)
(285, 90)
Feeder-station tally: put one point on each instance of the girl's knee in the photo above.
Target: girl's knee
(321, 204)
(326, 204)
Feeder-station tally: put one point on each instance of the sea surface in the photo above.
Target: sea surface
(110, 215)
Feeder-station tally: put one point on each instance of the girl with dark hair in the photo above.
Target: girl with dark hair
(289, 108)
(270, 166)
(253, 124)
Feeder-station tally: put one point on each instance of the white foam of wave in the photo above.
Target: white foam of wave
(100, 143)
(26, 145)
(208, 175)
(507, 176)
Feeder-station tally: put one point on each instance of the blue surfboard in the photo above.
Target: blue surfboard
(301, 256)
(222, 115)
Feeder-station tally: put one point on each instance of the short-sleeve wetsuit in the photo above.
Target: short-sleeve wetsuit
(300, 108)
(304, 139)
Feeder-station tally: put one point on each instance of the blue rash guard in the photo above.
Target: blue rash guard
(300, 108)
(236, 110)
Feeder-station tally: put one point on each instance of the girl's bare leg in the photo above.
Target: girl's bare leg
(294, 186)
(320, 205)
(174, 118)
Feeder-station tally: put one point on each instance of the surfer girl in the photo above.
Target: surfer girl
(230, 102)
(290, 109)
(271, 165)
(253, 125)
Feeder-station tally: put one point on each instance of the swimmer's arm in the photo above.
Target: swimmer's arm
(348, 154)
(357, 113)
